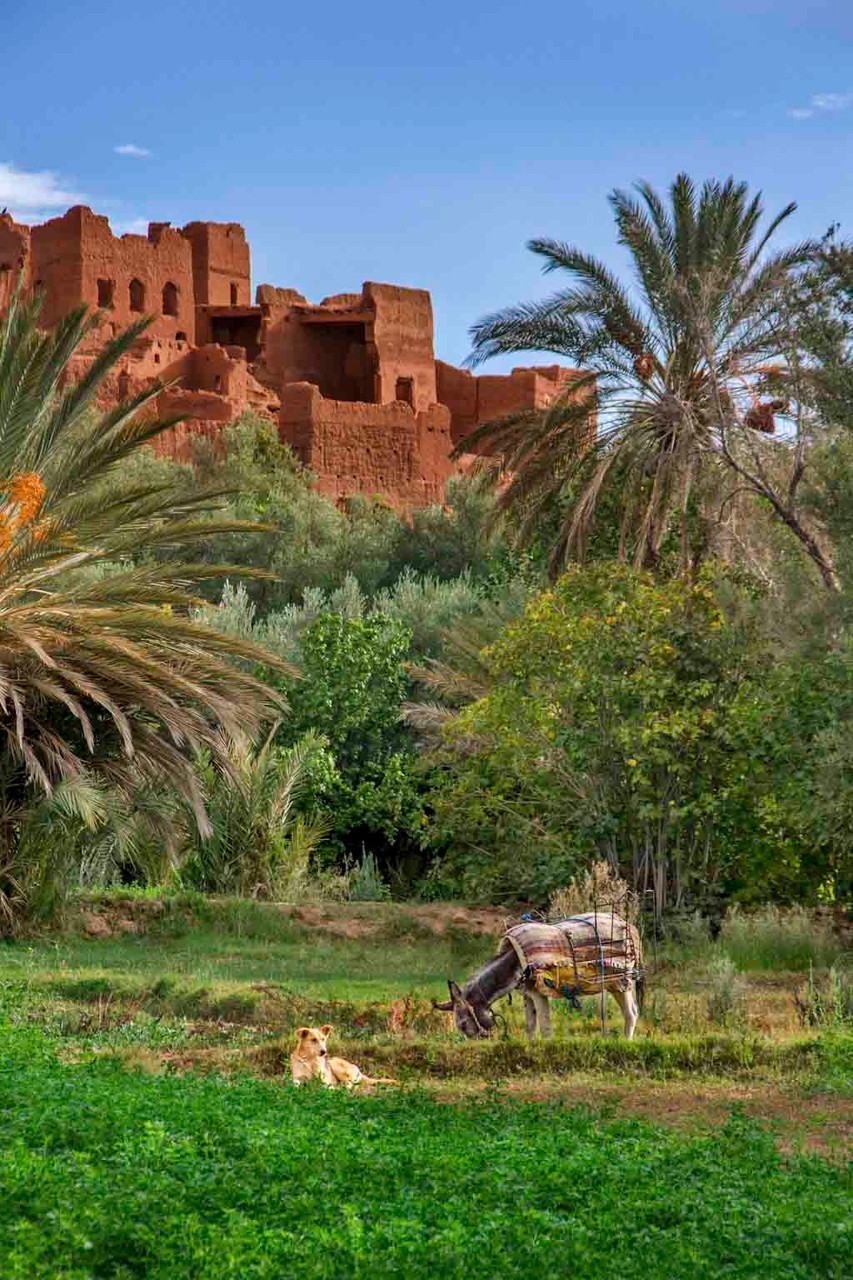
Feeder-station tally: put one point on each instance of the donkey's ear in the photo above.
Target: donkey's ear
(455, 990)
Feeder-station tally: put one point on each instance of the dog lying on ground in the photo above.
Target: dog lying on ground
(311, 1058)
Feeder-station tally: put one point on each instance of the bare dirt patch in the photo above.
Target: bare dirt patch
(822, 1123)
(352, 921)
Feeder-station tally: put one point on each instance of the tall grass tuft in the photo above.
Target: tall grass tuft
(786, 938)
(826, 1002)
(598, 888)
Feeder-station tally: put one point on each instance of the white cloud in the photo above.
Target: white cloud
(820, 103)
(131, 149)
(832, 101)
(135, 227)
(30, 197)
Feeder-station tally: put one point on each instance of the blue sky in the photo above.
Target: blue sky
(420, 144)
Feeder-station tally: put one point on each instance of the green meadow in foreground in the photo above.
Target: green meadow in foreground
(106, 1173)
(148, 1127)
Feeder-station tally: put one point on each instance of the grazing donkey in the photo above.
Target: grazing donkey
(587, 954)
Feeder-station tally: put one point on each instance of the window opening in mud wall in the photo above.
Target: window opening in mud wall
(405, 391)
(106, 293)
(337, 360)
(233, 295)
(170, 299)
(136, 293)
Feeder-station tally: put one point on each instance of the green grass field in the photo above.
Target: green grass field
(148, 1128)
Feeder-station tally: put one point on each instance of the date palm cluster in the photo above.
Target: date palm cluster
(683, 372)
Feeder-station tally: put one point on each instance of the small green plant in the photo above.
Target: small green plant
(366, 883)
(726, 997)
(826, 1001)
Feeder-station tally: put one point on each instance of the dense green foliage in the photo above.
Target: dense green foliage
(634, 718)
(314, 544)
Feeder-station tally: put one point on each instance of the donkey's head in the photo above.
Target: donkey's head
(474, 1019)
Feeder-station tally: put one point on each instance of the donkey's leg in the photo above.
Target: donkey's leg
(543, 1010)
(628, 1005)
(529, 1015)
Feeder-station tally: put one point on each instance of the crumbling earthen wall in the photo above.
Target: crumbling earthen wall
(14, 257)
(371, 449)
(330, 345)
(403, 338)
(474, 400)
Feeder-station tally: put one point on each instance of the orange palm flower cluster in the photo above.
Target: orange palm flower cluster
(24, 496)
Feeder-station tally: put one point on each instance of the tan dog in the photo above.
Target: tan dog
(311, 1058)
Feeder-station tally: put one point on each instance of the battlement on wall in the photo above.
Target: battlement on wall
(474, 399)
(352, 381)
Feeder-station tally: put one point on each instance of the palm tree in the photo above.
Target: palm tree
(103, 675)
(261, 845)
(673, 370)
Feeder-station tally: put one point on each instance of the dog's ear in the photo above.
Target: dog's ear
(456, 996)
(326, 1030)
(302, 1032)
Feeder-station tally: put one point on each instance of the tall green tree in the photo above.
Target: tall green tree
(675, 364)
(103, 675)
(634, 719)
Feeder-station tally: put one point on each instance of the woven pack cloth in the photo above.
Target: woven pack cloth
(579, 956)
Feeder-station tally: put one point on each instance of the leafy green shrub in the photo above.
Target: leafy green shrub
(606, 727)
(365, 882)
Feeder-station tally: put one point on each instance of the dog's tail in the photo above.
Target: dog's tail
(378, 1079)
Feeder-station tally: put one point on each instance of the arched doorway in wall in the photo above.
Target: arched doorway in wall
(170, 299)
(136, 295)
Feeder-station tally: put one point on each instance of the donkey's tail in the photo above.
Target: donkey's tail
(640, 987)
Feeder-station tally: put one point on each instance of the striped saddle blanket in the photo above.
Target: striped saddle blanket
(580, 956)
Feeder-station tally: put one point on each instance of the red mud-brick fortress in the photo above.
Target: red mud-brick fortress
(352, 383)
